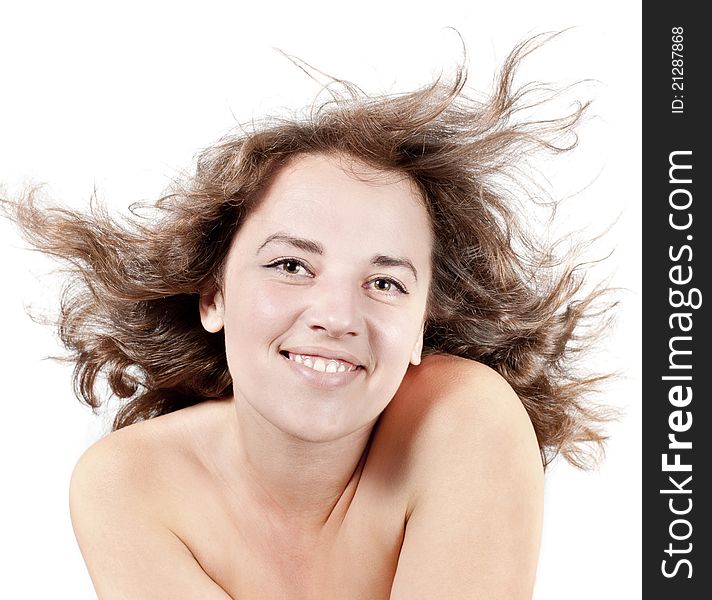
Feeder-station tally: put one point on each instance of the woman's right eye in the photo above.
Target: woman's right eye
(290, 267)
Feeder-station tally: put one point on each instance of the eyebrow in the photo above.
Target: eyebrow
(391, 261)
(380, 260)
(297, 242)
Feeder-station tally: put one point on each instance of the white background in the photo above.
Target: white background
(122, 96)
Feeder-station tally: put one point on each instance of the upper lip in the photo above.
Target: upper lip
(325, 353)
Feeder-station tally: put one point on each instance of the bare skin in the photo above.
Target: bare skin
(450, 485)
(373, 476)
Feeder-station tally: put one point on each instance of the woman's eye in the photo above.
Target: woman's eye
(383, 284)
(290, 266)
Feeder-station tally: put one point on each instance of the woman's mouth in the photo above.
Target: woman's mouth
(322, 364)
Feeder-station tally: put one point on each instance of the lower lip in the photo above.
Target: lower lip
(322, 380)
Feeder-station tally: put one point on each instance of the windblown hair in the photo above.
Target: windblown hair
(499, 295)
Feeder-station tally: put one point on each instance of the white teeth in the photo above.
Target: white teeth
(322, 365)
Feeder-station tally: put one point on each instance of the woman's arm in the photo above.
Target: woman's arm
(474, 520)
(130, 553)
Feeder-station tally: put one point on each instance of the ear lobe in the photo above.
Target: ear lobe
(418, 348)
(212, 311)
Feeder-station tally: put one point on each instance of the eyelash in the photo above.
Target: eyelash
(283, 261)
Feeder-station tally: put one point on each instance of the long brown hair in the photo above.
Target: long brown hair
(500, 295)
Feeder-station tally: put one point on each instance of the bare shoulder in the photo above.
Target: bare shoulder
(136, 459)
(126, 461)
(448, 396)
(475, 484)
(119, 501)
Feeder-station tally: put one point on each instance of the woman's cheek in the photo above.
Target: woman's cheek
(265, 315)
(391, 338)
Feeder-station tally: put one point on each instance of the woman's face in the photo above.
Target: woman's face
(324, 296)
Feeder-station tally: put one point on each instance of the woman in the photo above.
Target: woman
(275, 441)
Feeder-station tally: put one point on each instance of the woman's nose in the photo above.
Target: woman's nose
(335, 311)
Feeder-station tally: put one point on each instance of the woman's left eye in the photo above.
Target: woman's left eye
(385, 284)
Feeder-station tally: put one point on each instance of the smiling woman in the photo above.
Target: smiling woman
(345, 361)
(334, 262)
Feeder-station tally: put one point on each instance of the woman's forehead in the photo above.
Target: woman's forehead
(325, 174)
(339, 201)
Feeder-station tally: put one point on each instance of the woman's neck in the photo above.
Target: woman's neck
(294, 483)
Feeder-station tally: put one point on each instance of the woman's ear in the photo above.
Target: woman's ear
(418, 348)
(212, 310)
